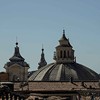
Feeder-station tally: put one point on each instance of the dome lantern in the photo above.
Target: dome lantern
(64, 51)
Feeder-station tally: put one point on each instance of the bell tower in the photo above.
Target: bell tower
(64, 51)
(17, 68)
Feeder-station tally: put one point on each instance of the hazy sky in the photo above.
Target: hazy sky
(37, 22)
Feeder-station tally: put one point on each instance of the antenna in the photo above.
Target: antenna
(16, 39)
(42, 46)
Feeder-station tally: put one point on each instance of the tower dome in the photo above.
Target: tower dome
(17, 56)
(65, 67)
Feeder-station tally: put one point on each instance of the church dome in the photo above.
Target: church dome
(65, 68)
(64, 72)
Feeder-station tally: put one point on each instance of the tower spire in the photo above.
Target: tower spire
(42, 60)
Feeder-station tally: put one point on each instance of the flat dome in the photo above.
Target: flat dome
(64, 72)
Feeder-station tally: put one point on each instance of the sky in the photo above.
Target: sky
(41, 22)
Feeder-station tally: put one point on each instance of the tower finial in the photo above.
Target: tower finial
(42, 48)
(16, 41)
(63, 31)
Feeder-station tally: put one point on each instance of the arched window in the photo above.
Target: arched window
(61, 54)
(64, 54)
(68, 53)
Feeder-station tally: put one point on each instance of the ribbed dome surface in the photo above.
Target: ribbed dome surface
(64, 72)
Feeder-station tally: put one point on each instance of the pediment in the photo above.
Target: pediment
(15, 66)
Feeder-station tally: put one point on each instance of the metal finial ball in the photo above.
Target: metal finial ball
(16, 43)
